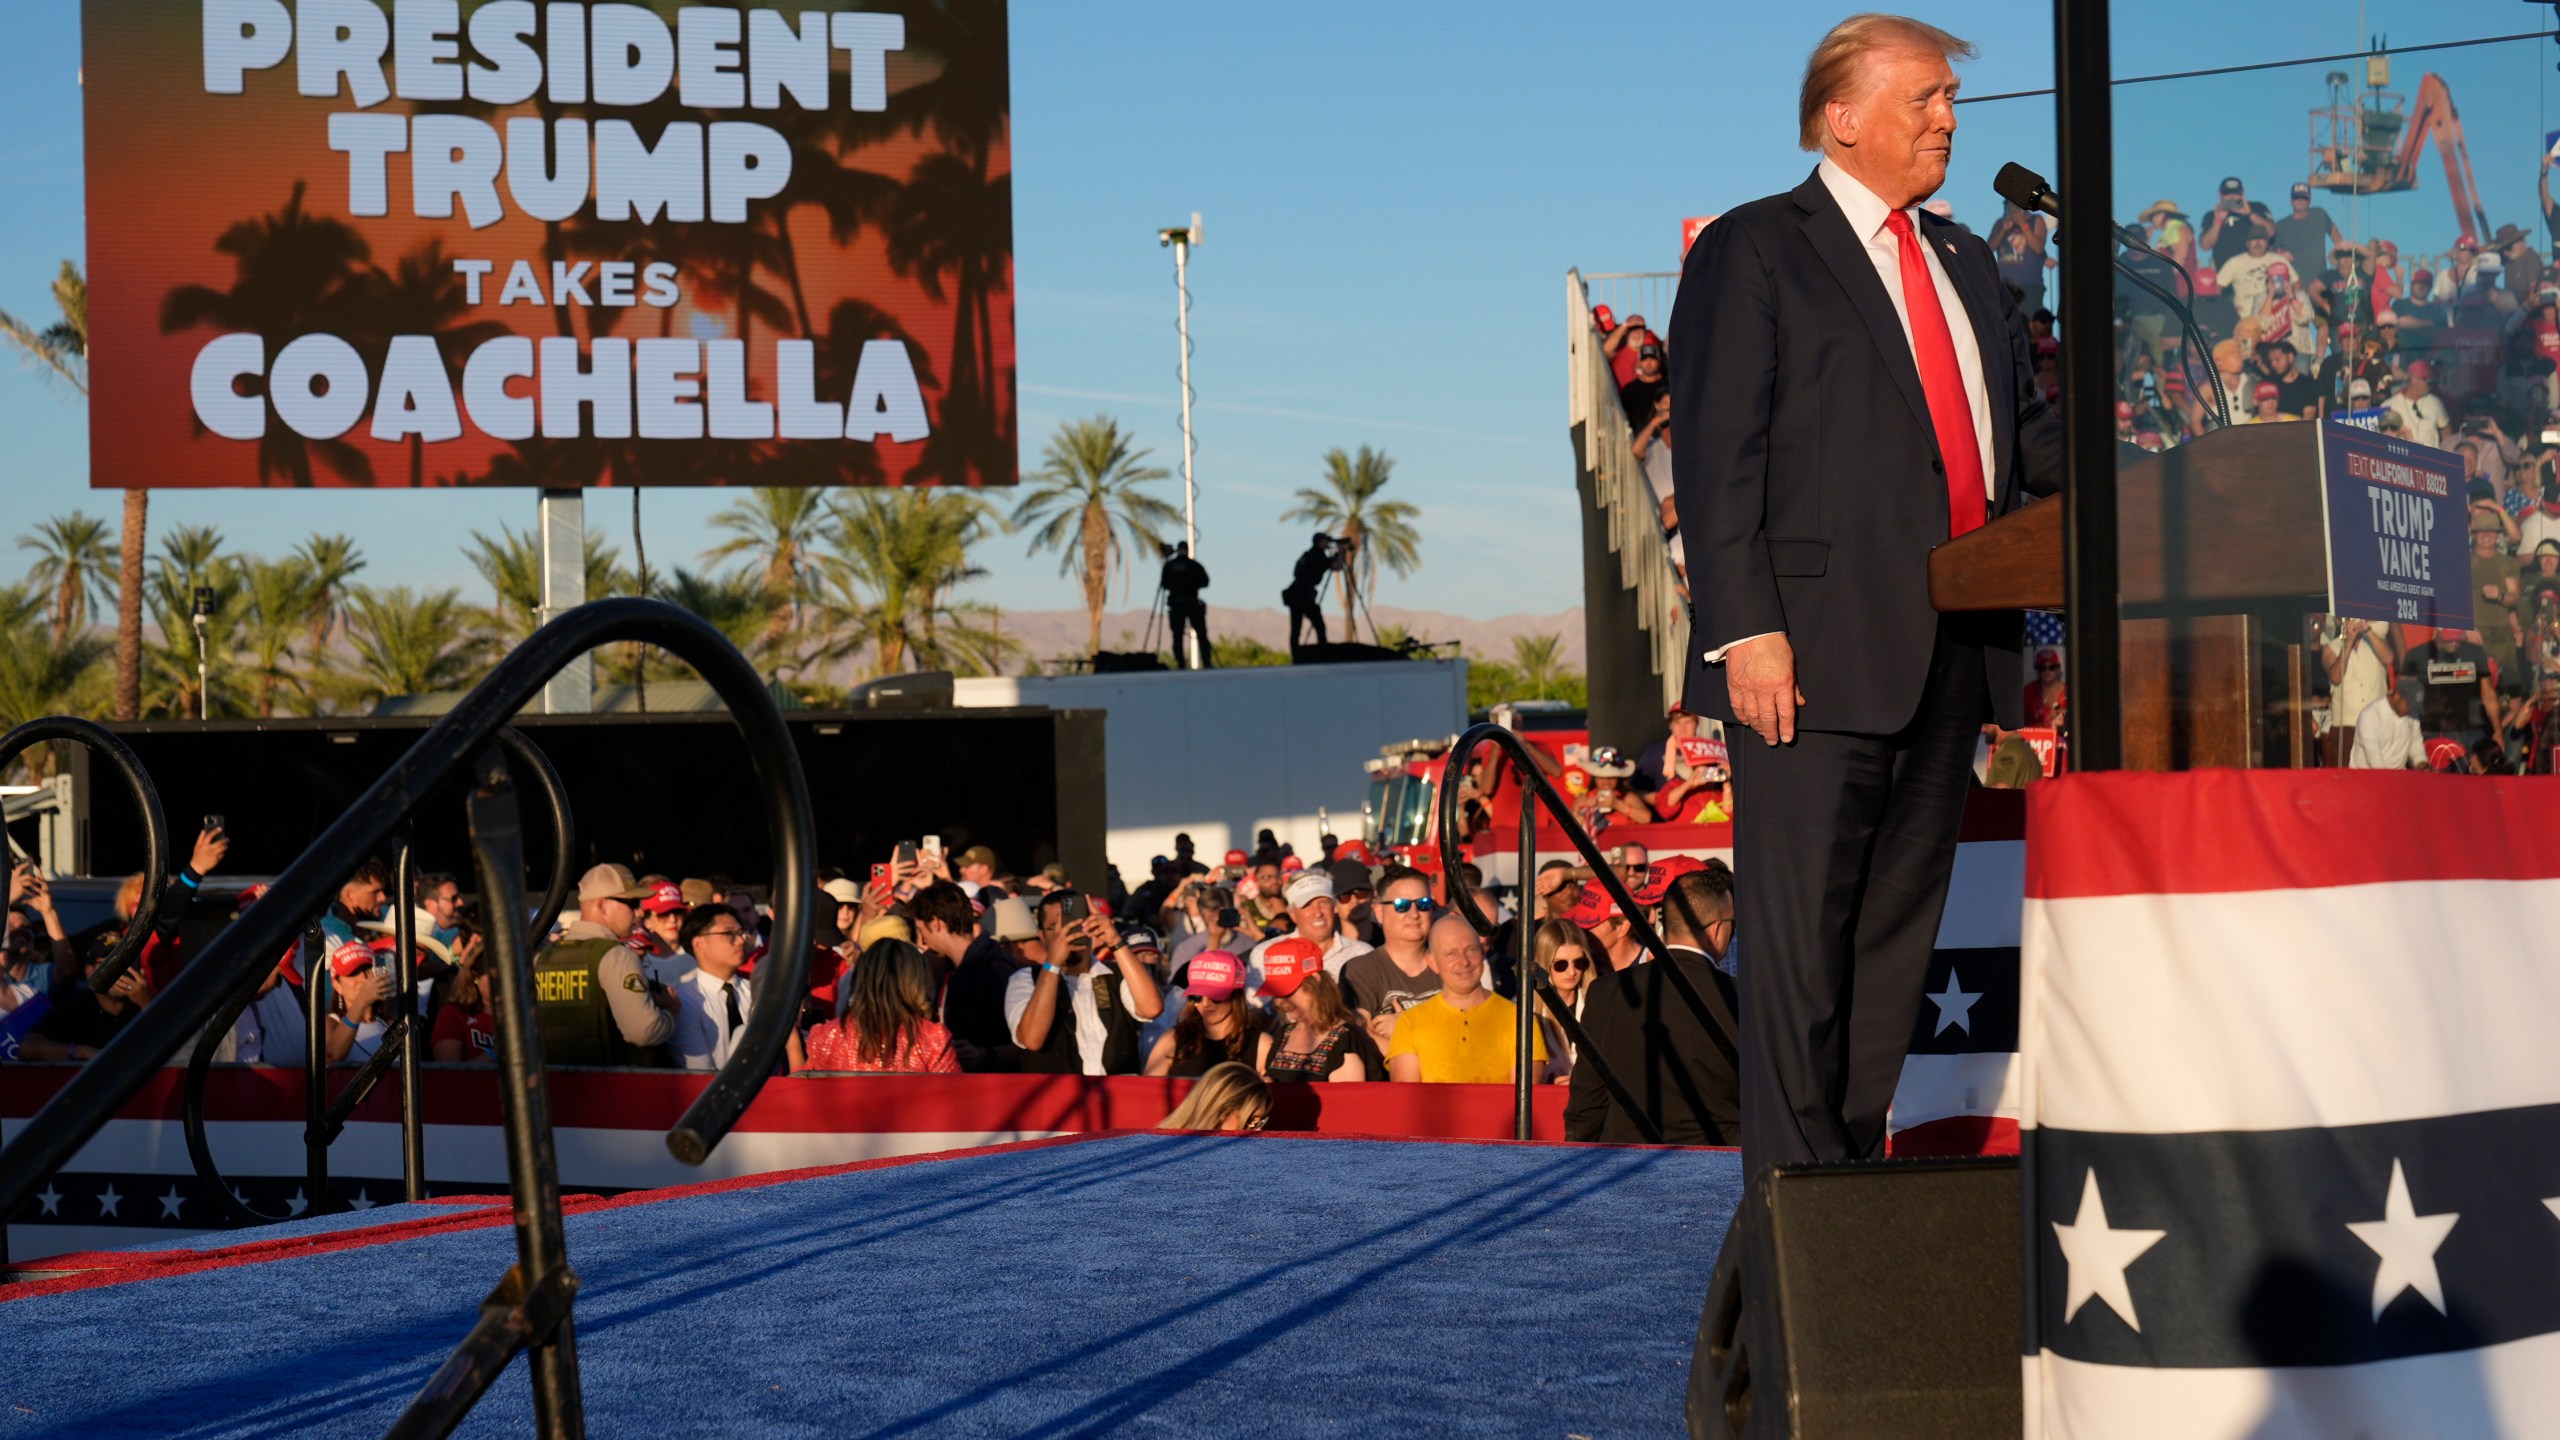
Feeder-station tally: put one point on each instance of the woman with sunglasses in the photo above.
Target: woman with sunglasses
(1318, 1037)
(1216, 1025)
(1563, 953)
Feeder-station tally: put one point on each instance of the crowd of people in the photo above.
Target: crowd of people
(2295, 320)
(1281, 971)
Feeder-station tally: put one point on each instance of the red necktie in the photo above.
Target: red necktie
(1950, 413)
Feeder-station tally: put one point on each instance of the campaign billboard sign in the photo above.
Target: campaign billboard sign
(492, 242)
(2397, 529)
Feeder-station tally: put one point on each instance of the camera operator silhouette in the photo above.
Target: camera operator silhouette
(1183, 580)
(1305, 580)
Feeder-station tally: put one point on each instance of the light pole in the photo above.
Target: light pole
(1182, 238)
(202, 611)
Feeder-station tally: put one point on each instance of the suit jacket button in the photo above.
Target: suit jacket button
(1940, 466)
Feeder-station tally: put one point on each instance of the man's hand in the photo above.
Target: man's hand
(358, 993)
(664, 998)
(1760, 677)
(211, 846)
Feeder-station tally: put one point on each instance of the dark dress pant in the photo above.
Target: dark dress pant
(1842, 848)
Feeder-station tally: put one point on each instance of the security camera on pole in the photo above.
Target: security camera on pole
(1192, 654)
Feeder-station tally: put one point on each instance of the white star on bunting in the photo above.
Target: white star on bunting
(362, 1201)
(1955, 1005)
(2097, 1255)
(2407, 1242)
(108, 1200)
(50, 1199)
(170, 1202)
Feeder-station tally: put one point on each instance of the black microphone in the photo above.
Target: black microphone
(2026, 189)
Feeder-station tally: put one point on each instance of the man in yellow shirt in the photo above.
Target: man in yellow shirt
(1466, 1034)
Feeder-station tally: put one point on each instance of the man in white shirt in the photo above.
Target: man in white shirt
(2421, 412)
(2387, 736)
(713, 1000)
(2244, 276)
(1309, 895)
(1106, 1004)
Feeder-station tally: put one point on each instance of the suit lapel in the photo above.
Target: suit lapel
(1983, 308)
(1827, 230)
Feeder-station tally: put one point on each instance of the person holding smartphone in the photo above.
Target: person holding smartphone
(1080, 1010)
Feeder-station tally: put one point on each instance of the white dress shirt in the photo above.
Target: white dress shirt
(1867, 213)
(703, 1039)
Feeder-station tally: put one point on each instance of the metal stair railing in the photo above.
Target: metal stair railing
(1534, 788)
(325, 1120)
(531, 1307)
(120, 758)
(1624, 495)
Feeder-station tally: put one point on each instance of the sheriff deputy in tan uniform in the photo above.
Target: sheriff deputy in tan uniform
(596, 1003)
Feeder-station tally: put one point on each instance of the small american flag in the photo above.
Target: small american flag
(2044, 627)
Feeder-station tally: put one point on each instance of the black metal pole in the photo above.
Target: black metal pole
(1525, 1057)
(404, 967)
(2085, 175)
(533, 1170)
(317, 997)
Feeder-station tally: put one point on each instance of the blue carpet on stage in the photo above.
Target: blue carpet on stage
(1168, 1285)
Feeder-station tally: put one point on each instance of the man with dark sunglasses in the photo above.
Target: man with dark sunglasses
(1397, 975)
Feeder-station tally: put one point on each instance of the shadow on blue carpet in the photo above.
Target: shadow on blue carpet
(1138, 1285)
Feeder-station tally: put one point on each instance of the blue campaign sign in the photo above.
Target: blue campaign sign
(2397, 523)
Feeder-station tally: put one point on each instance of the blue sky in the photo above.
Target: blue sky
(1393, 194)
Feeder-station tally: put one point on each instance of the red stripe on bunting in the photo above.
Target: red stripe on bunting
(2225, 831)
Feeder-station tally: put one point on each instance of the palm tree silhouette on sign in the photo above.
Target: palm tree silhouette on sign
(72, 562)
(1376, 530)
(420, 295)
(297, 274)
(1084, 499)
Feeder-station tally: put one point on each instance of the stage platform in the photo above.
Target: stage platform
(1114, 1284)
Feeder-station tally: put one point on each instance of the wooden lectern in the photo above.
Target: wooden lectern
(2223, 557)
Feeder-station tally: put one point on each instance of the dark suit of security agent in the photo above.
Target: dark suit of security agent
(1812, 488)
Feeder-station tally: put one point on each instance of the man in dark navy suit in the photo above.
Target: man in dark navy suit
(1853, 386)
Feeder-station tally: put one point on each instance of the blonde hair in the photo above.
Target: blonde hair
(1228, 1090)
(1831, 71)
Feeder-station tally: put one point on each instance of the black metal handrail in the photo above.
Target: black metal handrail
(400, 1040)
(536, 1297)
(120, 758)
(1534, 786)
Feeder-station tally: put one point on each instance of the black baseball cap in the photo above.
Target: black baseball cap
(2231, 185)
(2301, 190)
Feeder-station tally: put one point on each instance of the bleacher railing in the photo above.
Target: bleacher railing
(530, 1309)
(1608, 452)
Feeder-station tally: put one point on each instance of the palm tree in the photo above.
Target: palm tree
(296, 274)
(41, 676)
(1084, 499)
(736, 604)
(71, 561)
(1375, 529)
(1540, 661)
(512, 564)
(280, 600)
(62, 349)
(894, 559)
(328, 563)
(405, 643)
(781, 526)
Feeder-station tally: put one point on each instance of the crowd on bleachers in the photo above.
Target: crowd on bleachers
(2297, 320)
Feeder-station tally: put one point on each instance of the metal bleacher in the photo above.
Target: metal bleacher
(1606, 454)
